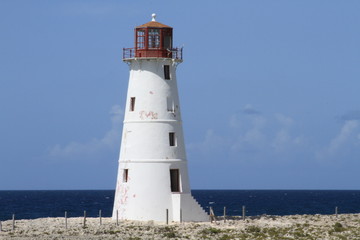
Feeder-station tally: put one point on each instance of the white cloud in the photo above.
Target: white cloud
(253, 132)
(346, 132)
(234, 121)
(110, 140)
(249, 109)
(210, 143)
(284, 120)
(253, 138)
(283, 140)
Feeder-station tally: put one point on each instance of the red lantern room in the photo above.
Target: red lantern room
(153, 40)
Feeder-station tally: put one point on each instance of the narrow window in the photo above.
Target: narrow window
(172, 139)
(175, 180)
(132, 104)
(170, 105)
(167, 72)
(126, 175)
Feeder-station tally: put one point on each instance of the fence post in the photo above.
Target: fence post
(224, 214)
(13, 227)
(180, 215)
(65, 219)
(336, 211)
(0, 227)
(84, 219)
(243, 212)
(117, 217)
(167, 216)
(100, 217)
(212, 215)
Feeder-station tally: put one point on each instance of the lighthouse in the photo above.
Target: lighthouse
(153, 182)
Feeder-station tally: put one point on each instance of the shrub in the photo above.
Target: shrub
(338, 227)
(210, 231)
(253, 229)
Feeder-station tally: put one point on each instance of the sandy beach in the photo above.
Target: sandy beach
(343, 226)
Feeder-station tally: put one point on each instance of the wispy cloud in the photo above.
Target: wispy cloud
(352, 115)
(237, 119)
(249, 109)
(253, 132)
(110, 140)
(284, 120)
(211, 142)
(251, 138)
(283, 139)
(347, 131)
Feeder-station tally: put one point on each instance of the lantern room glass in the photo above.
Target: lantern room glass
(140, 39)
(154, 38)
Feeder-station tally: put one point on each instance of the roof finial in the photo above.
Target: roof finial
(153, 17)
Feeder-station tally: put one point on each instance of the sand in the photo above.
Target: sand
(343, 226)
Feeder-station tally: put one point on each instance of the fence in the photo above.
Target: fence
(212, 217)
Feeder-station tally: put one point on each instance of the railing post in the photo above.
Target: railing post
(224, 214)
(167, 216)
(100, 217)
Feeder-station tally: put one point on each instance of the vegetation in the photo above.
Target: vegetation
(305, 227)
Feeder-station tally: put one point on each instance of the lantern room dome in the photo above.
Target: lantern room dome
(153, 24)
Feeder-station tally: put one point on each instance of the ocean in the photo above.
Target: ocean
(39, 204)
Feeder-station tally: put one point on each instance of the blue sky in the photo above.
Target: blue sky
(269, 91)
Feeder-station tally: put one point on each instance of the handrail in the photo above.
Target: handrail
(174, 53)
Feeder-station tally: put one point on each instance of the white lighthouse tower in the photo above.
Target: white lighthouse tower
(153, 182)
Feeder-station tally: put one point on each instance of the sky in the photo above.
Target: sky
(269, 91)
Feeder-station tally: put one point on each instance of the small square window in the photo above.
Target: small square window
(132, 104)
(172, 139)
(167, 72)
(126, 175)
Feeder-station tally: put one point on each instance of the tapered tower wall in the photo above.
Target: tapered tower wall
(152, 175)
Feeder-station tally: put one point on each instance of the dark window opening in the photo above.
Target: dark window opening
(172, 139)
(132, 104)
(170, 105)
(167, 42)
(175, 180)
(126, 175)
(167, 72)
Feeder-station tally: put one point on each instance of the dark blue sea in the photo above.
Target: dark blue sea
(38, 204)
